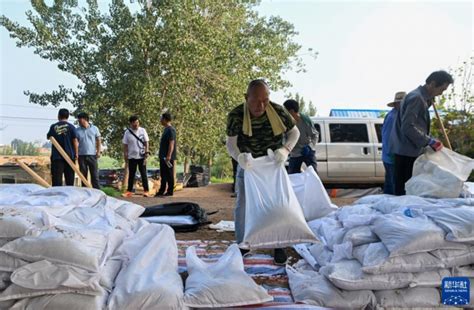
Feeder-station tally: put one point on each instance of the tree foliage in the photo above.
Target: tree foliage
(193, 58)
(20, 147)
(308, 109)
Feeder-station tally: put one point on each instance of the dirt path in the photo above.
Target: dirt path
(215, 197)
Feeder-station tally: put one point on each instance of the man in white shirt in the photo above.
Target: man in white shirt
(136, 151)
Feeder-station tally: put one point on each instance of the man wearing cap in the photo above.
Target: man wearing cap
(387, 155)
(252, 129)
(411, 130)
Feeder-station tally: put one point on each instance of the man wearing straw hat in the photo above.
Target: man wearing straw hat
(252, 129)
(411, 131)
(387, 154)
(65, 133)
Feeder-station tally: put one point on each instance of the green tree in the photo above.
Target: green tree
(309, 109)
(457, 110)
(191, 57)
(22, 148)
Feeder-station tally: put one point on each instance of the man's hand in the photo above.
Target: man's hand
(435, 144)
(281, 155)
(168, 158)
(245, 160)
(97, 155)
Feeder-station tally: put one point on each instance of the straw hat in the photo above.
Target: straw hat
(398, 98)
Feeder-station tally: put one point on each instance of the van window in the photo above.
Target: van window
(378, 129)
(318, 129)
(348, 133)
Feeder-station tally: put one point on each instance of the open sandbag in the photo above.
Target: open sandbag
(439, 174)
(458, 222)
(408, 298)
(311, 194)
(221, 284)
(348, 275)
(149, 277)
(274, 218)
(312, 288)
(407, 235)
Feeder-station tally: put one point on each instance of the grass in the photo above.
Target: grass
(216, 180)
(110, 191)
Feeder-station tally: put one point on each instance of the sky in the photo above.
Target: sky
(368, 50)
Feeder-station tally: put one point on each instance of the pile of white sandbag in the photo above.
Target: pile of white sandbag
(386, 251)
(75, 248)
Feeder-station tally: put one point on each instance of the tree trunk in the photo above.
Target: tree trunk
(125, 177)
(186, 164)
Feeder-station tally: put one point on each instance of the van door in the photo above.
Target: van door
(379, 168)
(321, 154)
(349, 151)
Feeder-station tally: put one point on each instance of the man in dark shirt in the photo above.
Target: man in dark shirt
(65, 133)
(167, 156)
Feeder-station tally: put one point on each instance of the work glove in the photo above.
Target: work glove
(436, 145)
(281, 155)
(245, 160)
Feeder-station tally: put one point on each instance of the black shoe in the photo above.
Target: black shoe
(159, 195)
(168, 194)
(244, 251)
(280, 257)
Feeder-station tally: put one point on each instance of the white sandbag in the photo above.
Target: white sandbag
(149, 277)
(14, 291)
(221, 284)
(100, 217)
(394, 203)
(458, 222)
(348, 275)
(303, 251)
(311, 194)
(375, 259)
(274, 218)
(18, 189)
(79, 248)
(409, 298)
(109, 273)
(223, 226)
(126, 209)
(439, 174)
(18, 222)
(44, 275)
(9, 263)
(172, 219)
(407, 235)
(328, 230)
(360, 235)
(356, 215)
(64, 195)
(321, 253)
(67, 301)
(312, 288)
(341, 252)
(371, 199)
(453, 258)
(4, 280)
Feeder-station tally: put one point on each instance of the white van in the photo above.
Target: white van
(349, 152)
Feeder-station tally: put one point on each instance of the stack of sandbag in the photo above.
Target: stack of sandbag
(385, 251)
(76, 248)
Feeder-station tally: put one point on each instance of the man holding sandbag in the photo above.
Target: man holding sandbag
(252, 129)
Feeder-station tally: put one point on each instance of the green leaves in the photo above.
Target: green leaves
(193, 58)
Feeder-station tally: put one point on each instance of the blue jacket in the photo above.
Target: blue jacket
(387, 153)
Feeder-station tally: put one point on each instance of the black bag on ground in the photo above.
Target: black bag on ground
(177, 209)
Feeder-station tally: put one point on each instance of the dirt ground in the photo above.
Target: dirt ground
(215, 197)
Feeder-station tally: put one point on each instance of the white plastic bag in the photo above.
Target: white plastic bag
(149, 277)
(356, 215)
(321, 254)
(458, 222)
(439, 174)
(312, 288)
(273, 216)
(360, 235)
(311, 194)
(221, 284)
(407, 235)
(409, 298)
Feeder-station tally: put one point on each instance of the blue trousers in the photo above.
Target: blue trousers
(389, 185)
(297, 162)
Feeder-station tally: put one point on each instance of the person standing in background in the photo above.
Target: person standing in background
(411, 131)
(136, 151)
(65, 133)
(387, 154)
(305, 149)
(167, 156)
(89, 148)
